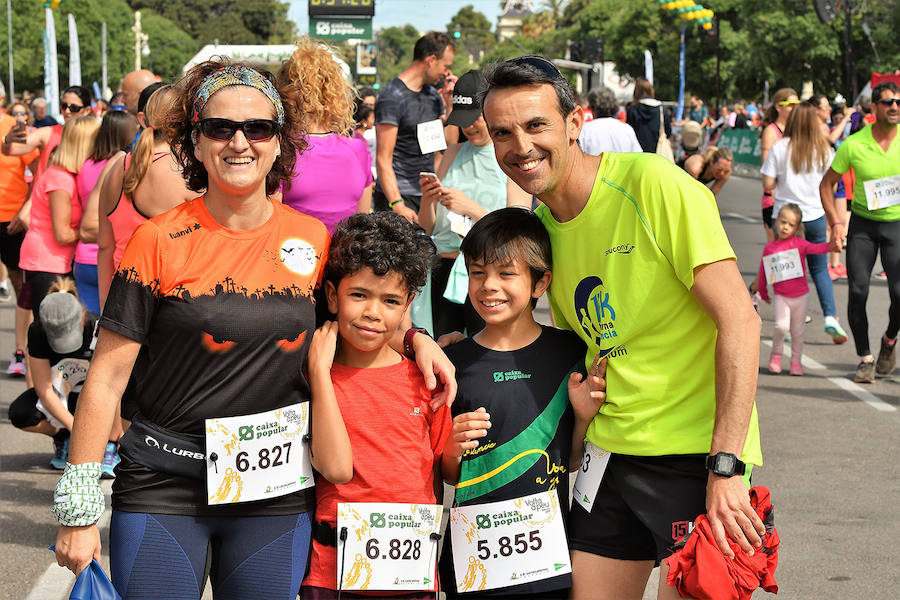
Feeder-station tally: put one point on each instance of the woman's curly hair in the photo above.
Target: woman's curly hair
(178, 129)
(323, 93)
(383, 241)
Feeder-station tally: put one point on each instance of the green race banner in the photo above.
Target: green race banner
(744, 144)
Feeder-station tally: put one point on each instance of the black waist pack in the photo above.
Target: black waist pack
(179, 454)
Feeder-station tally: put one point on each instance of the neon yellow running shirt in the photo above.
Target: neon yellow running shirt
(622, 274)
(869, 162)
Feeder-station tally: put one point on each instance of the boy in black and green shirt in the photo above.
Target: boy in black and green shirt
(514, 429)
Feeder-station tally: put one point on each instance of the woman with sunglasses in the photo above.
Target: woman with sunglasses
(219, 291)
(333, 176)
(19, 111)
(75, 102)
(774, 122)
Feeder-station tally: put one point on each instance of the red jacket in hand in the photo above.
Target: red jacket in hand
(701, 571)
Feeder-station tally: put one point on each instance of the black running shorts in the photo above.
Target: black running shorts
(644, 506)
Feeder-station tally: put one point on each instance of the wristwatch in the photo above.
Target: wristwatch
(725, 464)
(408, 348)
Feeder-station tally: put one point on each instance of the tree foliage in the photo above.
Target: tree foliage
(170, 47)
(244, 22)
(176, 30)
(779, 41)
(395, 49)
(28, 46)
(476, 35)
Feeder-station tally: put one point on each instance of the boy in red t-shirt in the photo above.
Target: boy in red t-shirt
(375, 265)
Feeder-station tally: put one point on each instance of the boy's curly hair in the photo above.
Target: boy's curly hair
(384, 242)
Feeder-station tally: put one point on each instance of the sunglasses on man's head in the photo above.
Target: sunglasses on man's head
(889, 101)
(255, 130)
(788, 102)
(541, 64)
(70, 107)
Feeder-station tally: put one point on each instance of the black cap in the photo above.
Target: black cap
(466, 107)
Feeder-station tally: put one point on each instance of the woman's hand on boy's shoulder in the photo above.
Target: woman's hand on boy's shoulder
(323, 347)
(587, 394)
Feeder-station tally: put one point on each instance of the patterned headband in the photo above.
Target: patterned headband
(235, 75)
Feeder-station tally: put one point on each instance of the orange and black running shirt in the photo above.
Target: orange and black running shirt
(227, 318)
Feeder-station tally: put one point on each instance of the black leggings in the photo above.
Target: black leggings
(40, 283)
(865, 239)
(23, 411)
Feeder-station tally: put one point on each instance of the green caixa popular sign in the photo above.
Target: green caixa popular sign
(340, 29)
(744, 144)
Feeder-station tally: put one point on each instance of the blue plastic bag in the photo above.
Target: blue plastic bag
(93, 584)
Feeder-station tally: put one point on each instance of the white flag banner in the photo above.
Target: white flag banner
(74, 53)
(51, 70)
(648, 66)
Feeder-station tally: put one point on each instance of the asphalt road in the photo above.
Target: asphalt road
(830, 451)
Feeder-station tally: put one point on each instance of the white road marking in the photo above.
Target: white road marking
(739, 217)
(842, 382)
(56, 582)
(867, 397)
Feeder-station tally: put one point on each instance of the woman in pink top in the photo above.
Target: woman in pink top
(117, 129)
(333, 176)
(49, 245)
(784, 263)
(21, 140)
(137, 186)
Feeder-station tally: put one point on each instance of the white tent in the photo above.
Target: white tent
(269, 57)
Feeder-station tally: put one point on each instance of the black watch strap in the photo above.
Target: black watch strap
(725, 464)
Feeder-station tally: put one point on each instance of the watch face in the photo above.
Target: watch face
(725, 463)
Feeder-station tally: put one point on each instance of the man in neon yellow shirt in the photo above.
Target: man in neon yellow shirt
(643, 272)
(873, 153)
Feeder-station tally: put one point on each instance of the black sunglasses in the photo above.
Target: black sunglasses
(889, 101)
(70, 107)
(541, 64)
(255, 130)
